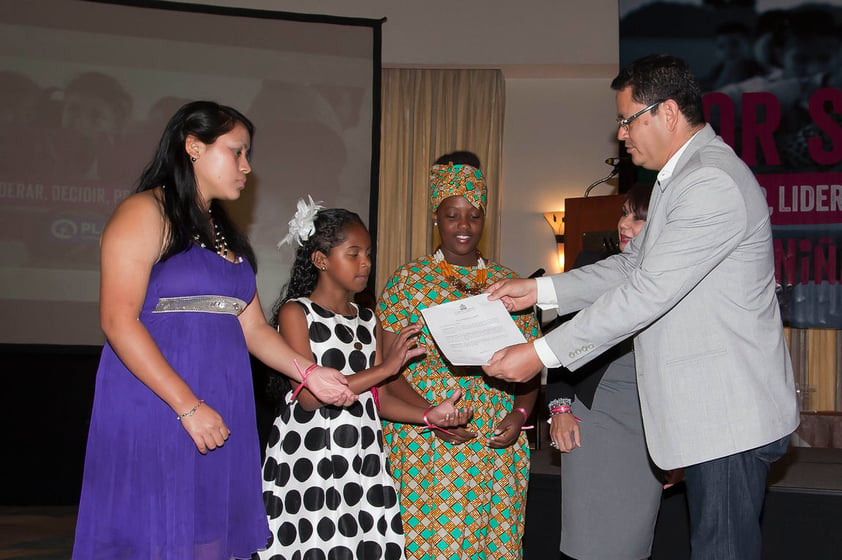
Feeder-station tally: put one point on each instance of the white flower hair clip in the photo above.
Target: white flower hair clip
(302, 225)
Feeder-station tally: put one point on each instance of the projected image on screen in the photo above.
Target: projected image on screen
(87, 90)
(61, 168)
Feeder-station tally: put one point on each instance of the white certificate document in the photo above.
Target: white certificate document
(468, 331)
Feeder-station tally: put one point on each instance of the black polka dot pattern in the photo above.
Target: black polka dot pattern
(327, 491)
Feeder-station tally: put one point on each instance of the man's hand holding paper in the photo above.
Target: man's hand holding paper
(515, 293)
(515, 363)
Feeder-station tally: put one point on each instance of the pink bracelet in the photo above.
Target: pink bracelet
(430, 426)
(561, 409)
(304, 375)
(525, 416)
(375, 396)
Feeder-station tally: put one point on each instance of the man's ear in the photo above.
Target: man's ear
(672, 114)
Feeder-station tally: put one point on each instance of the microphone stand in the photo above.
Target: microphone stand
(606, 178)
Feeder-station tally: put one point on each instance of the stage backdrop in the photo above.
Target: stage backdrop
(772, 72)
(87, 88)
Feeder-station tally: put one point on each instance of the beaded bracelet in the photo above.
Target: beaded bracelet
(304, 375)
(430, 426)
(192, 411)
(559, 401)
(561, 409)
(525, 416)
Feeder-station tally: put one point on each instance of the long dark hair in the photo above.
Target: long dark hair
(172, 169)
(330, 225)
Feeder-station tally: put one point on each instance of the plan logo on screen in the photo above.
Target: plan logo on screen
(67, 229)
(64, 229)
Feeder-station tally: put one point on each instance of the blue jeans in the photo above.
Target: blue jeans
(725, 498)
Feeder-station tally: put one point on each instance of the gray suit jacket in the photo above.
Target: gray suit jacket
(697, 290)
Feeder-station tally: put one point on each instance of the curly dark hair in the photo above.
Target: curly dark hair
(171, 168)
(329, 232)
(460, 157)
(658, 77)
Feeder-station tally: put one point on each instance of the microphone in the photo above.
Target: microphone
(615, 161)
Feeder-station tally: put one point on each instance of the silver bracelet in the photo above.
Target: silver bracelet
(192, 411)
(555, 403)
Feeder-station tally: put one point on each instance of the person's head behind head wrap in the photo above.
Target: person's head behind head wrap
(457, 174)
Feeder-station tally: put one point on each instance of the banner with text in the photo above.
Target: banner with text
(771, 72)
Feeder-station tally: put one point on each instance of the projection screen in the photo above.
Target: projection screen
(86, 90)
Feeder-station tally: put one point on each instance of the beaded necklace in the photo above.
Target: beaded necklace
(456, 282)
(220, 245)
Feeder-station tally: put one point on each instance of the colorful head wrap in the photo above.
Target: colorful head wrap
(454, 180)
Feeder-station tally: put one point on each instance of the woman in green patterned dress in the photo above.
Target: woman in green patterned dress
(463, 490)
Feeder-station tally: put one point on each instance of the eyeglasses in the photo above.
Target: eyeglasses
(625, 123)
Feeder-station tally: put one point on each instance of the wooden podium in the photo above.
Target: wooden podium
(588, 222)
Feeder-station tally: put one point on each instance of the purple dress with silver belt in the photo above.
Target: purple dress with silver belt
(147, 492)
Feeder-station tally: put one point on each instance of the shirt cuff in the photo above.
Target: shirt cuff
(546, 355)
(545, 294)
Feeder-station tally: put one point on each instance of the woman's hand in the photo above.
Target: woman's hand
(507, 431)
(456, 436)
(446, 415)
(206, 428)
(564, 432)
(330, 386)
(672, 477)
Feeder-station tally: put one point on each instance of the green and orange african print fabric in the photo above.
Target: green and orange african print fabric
(458, 501)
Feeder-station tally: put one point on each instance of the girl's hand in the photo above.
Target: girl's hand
(330, 386)
(446, 415)
(206, 428)
(507, 431)
(564, 432)
(405, 348)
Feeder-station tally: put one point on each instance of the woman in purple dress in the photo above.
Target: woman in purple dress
(172, 469)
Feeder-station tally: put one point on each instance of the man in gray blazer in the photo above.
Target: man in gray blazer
(696, 290)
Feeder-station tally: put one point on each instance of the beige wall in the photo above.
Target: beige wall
(558, 134)
(558, 57)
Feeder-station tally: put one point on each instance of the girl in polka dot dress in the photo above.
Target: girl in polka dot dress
(327, 491)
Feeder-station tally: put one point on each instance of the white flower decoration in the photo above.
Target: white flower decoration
(301, 226)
